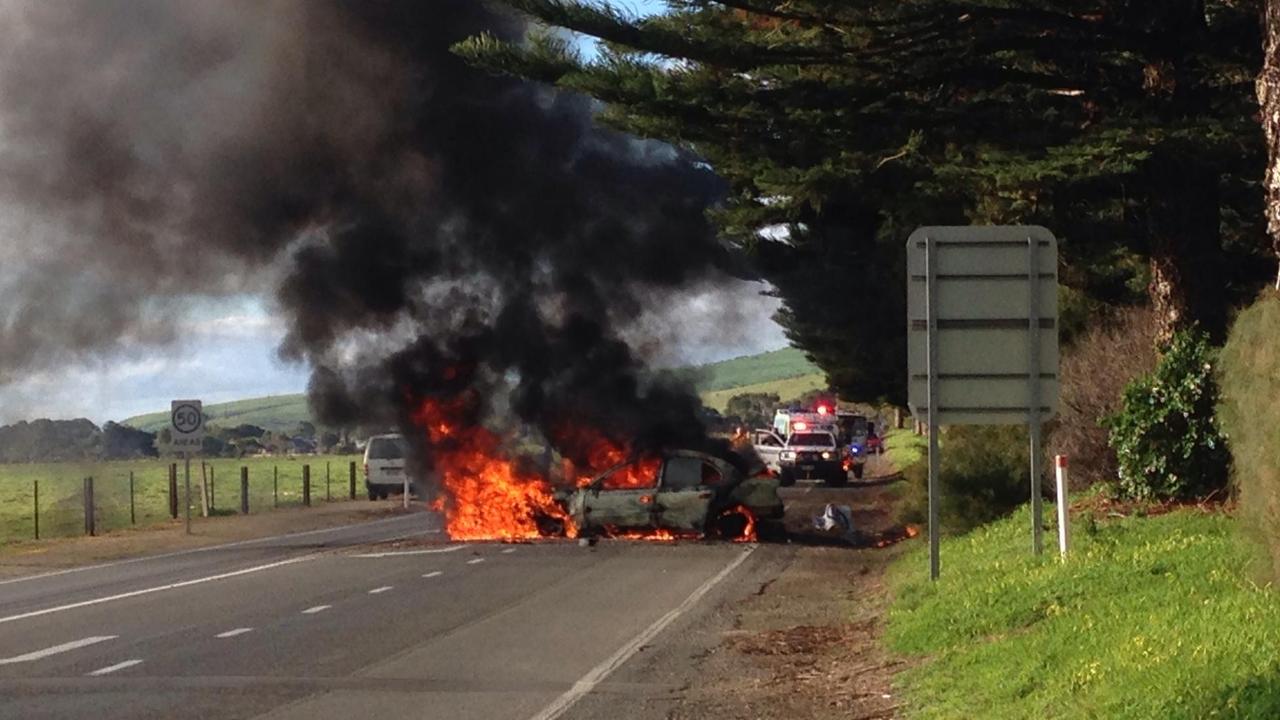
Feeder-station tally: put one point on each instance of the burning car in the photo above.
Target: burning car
(685, 493)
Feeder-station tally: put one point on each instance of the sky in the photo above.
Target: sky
(226, 348)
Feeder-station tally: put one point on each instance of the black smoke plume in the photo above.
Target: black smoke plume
(429, 230)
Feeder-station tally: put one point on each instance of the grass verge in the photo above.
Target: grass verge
(1152, 617)
(904, 448)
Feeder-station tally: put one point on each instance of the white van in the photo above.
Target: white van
(384, 459)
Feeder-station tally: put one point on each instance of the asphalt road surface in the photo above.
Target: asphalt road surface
(317, 626)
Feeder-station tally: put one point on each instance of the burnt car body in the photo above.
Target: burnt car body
(687, 493)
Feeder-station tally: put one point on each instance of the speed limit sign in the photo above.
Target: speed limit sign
(186, 424)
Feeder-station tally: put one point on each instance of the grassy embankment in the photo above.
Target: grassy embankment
(61, 488)
(279, 413)
(1152, 617)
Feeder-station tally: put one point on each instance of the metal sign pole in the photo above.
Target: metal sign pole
(1033, 388)
(931, 340)
(187, 475)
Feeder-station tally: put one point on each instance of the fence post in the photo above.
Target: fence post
(275, 486)
(173, 490)
(353, 479)
(35, 508)
(306, 485)
(244, 489)
(133, 514)
(89, 528)
(213, 494)
(328, 490)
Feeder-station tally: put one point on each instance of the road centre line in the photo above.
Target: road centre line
(508, 551)
(379, 590)
(316, 609)
(223, 546)
(157, 588)
(597, 674)
(57, 649)
(401, 553)
(112, 668)
(433, 573)
(475, 561)
(233, 633)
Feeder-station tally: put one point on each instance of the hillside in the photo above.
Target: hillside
(753, 370)
(276, 412)
(784, 371)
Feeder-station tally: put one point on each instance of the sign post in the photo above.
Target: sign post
(186, 432)
(982, 309)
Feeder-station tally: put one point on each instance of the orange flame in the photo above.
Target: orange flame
(486, 496)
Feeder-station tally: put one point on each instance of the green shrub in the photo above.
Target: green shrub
(1165, 435)
(1249, 372)
(985, 475)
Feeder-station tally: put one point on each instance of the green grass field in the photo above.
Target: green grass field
(61, 491)
(280, 413)
(904, 448)
(1150, 618)
(787, 389)
(740, 373)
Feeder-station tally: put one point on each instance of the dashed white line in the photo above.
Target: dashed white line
(433, 573)
(56, 649)
(316, 609)
(476, 561)
(112, 668)
(508, 551)
(401, 553)
(379, 590)
(233, 633)
(158, 588)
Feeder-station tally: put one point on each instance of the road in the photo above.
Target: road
(317, 625)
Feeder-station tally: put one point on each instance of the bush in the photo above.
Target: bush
(1249, 371)
(1165, 435)
(1095, 370)
(985, 475)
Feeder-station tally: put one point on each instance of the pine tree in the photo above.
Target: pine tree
(1124, 126)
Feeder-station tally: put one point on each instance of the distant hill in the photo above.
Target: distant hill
(279, 413)
(741, 372)
(785, 372)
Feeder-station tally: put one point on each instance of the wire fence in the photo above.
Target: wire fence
(62, 500)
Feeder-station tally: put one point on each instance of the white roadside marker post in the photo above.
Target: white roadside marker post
(1064, 530)
(406, 491)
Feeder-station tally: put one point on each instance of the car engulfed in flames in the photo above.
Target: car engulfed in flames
(486, 495)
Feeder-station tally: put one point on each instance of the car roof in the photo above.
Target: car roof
(388, 436)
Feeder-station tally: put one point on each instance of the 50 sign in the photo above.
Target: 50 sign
(186, 425)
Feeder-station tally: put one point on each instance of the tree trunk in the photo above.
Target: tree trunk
(1268, 87)
(1187, 284)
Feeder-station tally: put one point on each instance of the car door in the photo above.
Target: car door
(767, 445)
(688, 487)
(622, 498)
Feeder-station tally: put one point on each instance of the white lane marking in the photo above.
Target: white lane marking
(624, 653)
(158, 588)
(433, 573)
(476, 561)
(382, 589)
(112, 668)
(56, 649)
(233, 633)
(508, 551)
(316, 609)
(238, 543)
(399, 553)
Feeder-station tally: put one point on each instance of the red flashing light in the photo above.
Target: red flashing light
(823, 410)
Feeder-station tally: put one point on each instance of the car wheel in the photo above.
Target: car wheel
(786, 478)
(857, 471)
(838, 480)
(730, 524)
